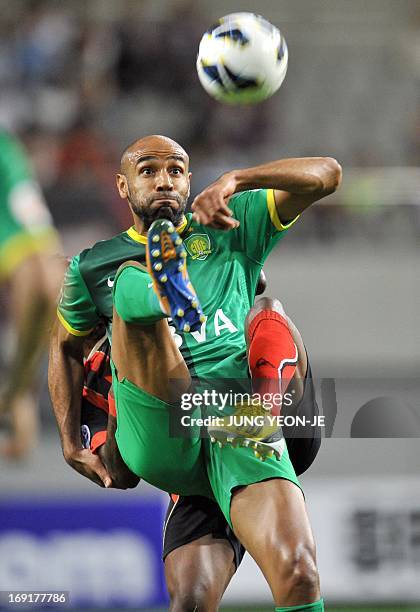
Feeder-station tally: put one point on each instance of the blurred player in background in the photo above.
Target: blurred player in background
(31, 274)
(268, 516)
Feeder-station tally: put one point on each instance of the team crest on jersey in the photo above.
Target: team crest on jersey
(198, 246)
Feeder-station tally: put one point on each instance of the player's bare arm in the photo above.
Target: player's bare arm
(297, 183)
(65, 379)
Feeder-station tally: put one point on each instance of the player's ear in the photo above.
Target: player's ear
(189, 183)
(122, 185)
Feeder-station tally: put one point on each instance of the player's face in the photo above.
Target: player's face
(158, 184)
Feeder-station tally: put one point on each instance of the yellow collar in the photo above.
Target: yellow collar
(134, 235)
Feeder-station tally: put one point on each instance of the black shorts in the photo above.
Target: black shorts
(192, 517)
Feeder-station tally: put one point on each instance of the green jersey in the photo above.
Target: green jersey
(25, 222)
(223, 267)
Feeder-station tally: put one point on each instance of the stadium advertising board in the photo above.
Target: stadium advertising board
(106, 554)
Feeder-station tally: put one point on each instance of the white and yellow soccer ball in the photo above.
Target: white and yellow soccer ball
(242, 59)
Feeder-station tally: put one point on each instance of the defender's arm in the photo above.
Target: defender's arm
(65, 380)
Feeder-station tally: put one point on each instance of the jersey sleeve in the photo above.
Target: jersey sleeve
(76, 310)
(260, 227)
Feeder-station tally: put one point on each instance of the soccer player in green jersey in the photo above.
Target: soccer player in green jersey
(261, 501)
(31, 272)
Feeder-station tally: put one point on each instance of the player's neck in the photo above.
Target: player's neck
(140, 228)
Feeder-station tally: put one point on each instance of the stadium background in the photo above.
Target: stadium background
(80, 80)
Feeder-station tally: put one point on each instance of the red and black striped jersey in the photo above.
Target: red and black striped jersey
(98, 378)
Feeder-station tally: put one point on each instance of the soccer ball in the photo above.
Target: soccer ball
(242, 59)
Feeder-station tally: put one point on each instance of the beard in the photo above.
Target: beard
(145, 212)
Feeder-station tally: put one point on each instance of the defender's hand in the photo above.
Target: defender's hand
(210, 207)
(90, 466)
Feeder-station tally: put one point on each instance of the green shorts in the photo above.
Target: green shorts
(19, 242)
(21, 245)
(173, 464)
(186, 466)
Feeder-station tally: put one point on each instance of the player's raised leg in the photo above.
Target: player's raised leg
(270, 520)
(148, 379)
(98, 410)
(143, 349)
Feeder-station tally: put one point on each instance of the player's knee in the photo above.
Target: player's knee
(268, 303)
(260, 304)
(300, 574)
(122, 477)
(125, 482)
(193, 598)
(264, 303)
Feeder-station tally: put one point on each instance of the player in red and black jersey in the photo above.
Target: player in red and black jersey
(96, 388)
